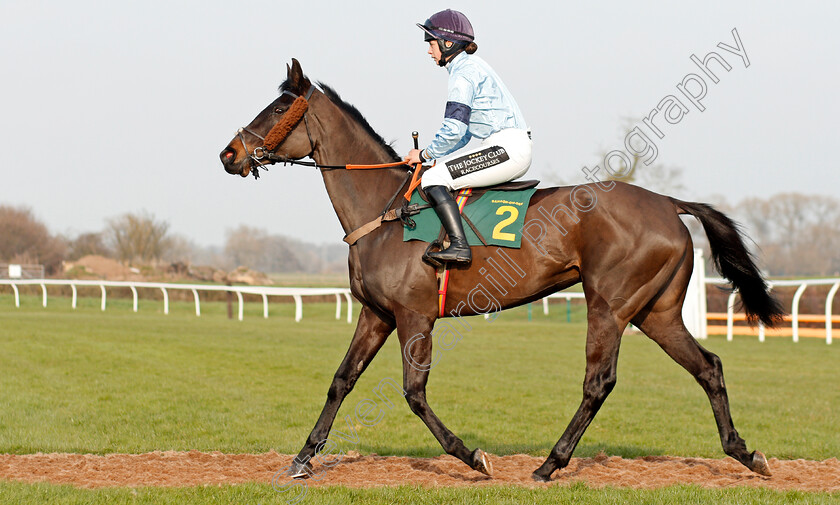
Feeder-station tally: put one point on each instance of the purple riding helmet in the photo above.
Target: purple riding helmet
(448, 25)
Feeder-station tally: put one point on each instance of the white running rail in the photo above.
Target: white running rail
(265, 291)
(794, 311)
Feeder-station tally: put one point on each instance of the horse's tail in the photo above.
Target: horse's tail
(735, 262)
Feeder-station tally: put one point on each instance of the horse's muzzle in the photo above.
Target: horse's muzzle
(228, 157)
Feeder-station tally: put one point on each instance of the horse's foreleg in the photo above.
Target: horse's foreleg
(603, 338)
(415, 334)
(371, 333)
(668, 330)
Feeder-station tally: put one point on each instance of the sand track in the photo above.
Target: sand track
(193, 468)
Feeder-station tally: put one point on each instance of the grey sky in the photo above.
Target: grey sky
(114, 107)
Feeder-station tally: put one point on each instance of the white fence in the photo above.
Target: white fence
(694, 309)
(795, 318)
(265, 291)
(695, 313)
(567, 296)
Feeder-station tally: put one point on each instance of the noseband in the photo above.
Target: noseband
(263, 155)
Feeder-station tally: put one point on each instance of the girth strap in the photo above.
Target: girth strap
(363, 230)
(392, 215)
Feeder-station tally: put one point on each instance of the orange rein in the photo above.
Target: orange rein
(415, 179)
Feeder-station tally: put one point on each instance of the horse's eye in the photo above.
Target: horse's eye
(278, 110)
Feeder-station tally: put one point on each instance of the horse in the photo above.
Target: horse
(627, 247)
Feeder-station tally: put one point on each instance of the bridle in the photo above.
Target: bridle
(263, 156)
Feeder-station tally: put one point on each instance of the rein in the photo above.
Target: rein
(273, 158)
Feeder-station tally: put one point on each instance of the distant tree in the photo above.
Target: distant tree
(657, 177)
(180, 249)
(660, 178)
(211, 255)
(137, 237)
(797, 234)
(87, 244)
(256, 249)
(24, 239)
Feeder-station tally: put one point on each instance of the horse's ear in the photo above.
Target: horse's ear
(295, 77)
(296, 69)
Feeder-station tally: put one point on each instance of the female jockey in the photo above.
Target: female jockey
(478, 105)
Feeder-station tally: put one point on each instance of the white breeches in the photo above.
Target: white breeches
(501, 157)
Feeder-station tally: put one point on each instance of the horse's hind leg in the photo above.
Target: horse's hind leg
(415, 334)
(371, 333)
(603, 338)
(666, 328)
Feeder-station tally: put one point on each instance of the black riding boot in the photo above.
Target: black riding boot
(447, 210)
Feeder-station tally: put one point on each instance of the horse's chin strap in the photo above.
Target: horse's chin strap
(263, 156)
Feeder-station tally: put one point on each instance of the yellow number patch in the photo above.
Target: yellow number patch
(498, 234)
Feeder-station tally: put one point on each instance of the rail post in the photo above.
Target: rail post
(794, 312)
(828, 300)
(134, 296)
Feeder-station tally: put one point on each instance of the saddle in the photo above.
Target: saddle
(479, 192)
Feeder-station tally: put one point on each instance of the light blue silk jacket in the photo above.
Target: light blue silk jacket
(478, 105)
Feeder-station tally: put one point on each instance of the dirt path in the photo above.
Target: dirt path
(197, 468)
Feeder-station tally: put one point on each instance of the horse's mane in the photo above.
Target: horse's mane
(355, 114)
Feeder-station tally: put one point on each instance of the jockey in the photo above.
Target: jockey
(478, 106)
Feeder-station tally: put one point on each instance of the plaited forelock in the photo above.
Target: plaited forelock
(285, 126)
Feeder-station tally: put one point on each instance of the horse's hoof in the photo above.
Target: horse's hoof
(299, 470)
(759, 464)
(482, 463)
(539, 478)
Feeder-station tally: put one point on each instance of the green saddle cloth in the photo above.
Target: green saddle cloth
(498, 215)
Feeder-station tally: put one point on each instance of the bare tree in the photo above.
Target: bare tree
(256, 249)
(24, 239)
(180, 249)
(87, 244)
(137, 237)
(797, 234)
(663, 179)
(657, 177)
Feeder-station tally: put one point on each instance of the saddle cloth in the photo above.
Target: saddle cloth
(498, 212)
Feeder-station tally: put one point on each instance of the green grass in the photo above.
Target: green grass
(257, 494)
(92, 382)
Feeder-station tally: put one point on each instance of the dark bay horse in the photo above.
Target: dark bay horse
(627, 246)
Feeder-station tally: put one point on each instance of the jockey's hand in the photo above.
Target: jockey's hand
(413, 157)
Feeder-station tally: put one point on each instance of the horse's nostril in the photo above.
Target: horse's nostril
(227, 156)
